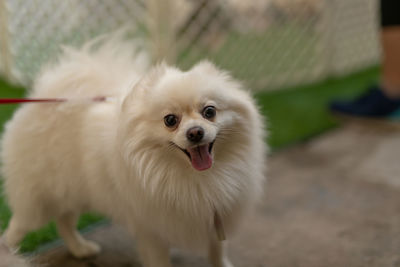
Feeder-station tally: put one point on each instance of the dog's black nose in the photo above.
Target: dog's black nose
(195, 134)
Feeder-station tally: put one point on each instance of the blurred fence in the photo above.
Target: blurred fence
(267, 43)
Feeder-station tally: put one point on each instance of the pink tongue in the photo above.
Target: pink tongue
(201, 158)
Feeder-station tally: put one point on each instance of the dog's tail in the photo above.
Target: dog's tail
(104, 66)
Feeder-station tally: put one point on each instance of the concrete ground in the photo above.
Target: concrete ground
(333, 201)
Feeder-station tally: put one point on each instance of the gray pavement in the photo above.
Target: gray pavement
(333, 201)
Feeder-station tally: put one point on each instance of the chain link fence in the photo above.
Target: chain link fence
(269, 44)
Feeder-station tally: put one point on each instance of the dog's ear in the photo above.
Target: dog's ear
(151, 78)
(154, 75)
(148, 81)
(206, 66)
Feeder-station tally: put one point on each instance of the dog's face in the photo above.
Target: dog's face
(192, 126)
(190, 115)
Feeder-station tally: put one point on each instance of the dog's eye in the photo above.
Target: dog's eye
(170, 120)
(209, 112)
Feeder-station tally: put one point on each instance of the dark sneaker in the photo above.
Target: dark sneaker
(373, 103)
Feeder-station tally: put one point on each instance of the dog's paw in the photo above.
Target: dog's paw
(8, 257)
(85, 249)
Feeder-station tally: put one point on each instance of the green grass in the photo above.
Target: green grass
(293, 115)
(8, 91)
(299, 113)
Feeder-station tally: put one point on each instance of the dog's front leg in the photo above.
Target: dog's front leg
(217, 255)
(153, 251)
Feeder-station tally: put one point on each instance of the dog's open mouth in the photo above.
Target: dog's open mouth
(200, 156)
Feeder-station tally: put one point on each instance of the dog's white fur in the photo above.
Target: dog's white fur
(117, 158)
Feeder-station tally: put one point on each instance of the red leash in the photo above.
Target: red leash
(45, 100)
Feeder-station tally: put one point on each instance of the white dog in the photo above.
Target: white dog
(177, 157)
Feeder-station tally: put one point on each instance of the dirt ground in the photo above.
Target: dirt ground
(332, 201)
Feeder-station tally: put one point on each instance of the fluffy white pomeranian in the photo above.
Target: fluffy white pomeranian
(175, 156)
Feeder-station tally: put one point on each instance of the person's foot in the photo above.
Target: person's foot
(373, 103)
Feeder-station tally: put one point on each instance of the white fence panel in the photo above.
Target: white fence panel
(267, 43)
